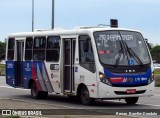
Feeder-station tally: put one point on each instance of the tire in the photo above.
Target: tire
(132, 100)
(72, 97)
(38, 94)
(34, 91)
(43, 94)
(84, 97)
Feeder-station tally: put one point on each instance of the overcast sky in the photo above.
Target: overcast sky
(143, 15)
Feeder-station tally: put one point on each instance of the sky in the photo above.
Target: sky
(142, 15)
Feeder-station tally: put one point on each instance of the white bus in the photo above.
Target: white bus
(88, 62)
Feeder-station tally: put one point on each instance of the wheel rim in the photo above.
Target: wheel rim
(34, 91)
(85, 96)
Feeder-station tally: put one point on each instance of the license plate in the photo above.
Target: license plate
(131, 91)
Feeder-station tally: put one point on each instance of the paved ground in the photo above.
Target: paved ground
(11, 98)
(22, 105)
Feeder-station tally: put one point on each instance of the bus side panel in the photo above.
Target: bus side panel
(42, 76)
(53, 76)
(11, 73)
(88, 78)
(27, 73)
(37, 71)
(39, 74)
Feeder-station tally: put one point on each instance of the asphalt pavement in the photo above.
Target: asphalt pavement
(21, 99)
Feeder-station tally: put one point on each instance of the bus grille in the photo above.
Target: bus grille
(125, 93)
(134, 85)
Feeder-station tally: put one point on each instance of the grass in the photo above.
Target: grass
(66, 117)
(156, 71)
(2, 69)
(2, 65)
(11, 117)
(158, 85)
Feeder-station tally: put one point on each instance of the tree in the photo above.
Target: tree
(155, 51)
(2, 50)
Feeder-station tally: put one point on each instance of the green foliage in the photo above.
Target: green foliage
(158, 85)
(155, 49)
(2, 50)
(155, 52)
(66, 117)
(2, 65)
(156, 71)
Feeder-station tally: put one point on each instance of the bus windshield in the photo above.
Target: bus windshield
(121, 48)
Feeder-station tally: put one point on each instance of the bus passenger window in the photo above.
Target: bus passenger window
(11, 43)
(53, 48)
(86, 56)
(28, 48)
(39, 49)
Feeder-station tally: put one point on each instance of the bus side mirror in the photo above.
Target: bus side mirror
(86, 45)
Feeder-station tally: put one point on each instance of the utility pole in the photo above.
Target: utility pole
(32, 15)
(52, 14)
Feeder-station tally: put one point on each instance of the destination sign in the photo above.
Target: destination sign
(103, 40)
(115, 37)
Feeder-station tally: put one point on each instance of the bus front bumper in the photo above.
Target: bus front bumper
(109, 92)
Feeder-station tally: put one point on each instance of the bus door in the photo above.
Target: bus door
(19, 57)
(69, 60)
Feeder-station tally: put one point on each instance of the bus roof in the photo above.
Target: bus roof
(79, 30)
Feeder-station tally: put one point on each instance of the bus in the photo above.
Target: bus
(87, 62)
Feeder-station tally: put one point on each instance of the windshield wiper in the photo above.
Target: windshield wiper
(129, 50)
(133, 54)
(123, 49)
(119, 55)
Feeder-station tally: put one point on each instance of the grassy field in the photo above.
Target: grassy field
(2, 65)
(2, 69)
(157, 71)
(157, 77)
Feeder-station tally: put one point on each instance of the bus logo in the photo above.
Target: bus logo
(125, 79)
(9, 65)
(130, 79)
(131, 61)
(130, 71)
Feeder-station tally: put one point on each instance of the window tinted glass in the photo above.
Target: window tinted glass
(39, 42)
(11, 44)
(53, 48)
(39, 48)
(86, 57)
(29, 43)
(53, 42)
(28, 50)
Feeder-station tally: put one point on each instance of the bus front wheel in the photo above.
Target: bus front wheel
(132, 100)
(84, 96)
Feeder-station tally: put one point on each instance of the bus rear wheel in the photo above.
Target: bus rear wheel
(84, 96)
(132, 100)
(34, 91)
(37, 94)
(43, 94)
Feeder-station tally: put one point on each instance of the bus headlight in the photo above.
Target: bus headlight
(104, 79)
(151, 79)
